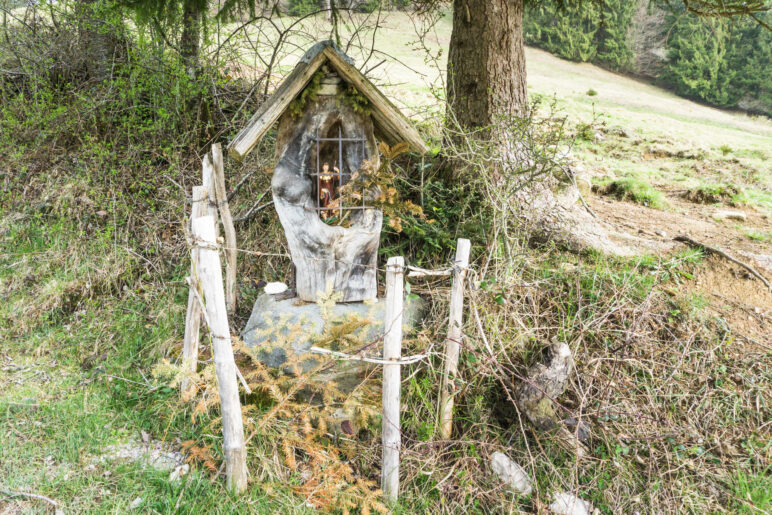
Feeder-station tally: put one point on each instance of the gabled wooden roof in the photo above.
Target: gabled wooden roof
(389, 121)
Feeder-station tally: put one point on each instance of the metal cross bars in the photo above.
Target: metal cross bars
(341, 174)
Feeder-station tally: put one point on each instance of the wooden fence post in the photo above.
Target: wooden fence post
(453, 339)
(392, 350)
(210, 274)
(227, 222)
(193, 314)
(207, 181)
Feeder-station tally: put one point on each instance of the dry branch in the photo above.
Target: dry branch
(39, 497)
(227, 223)
(715, 250)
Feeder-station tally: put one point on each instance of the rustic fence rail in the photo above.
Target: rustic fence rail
(211, 299)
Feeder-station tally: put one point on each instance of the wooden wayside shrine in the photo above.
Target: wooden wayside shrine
(322, 142)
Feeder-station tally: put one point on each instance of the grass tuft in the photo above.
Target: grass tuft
(635, 190)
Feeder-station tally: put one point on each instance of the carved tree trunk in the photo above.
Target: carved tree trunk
(326, 256)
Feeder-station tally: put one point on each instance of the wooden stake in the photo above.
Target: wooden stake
(392, 350)
(207, 181)
(193, 316)
(210, 275)
(227, 223)
(453, 339)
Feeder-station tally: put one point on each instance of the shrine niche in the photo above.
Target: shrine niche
(330, 118)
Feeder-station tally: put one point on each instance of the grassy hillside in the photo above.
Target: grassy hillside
(672, 347)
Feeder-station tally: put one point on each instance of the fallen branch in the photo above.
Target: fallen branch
(416, 271)
(707, 248)
(50, 501)
(252, 211)
(366, 359)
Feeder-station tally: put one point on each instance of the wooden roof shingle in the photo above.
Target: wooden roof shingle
(388, 120)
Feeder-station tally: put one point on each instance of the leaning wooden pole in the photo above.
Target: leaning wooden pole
(227, 222)
(210, 275)
(453, 340)
(193, 315)
(392, 350)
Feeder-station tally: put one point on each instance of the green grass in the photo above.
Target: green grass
(755, 197)
(635, 190)
(757, 235)
(57, 415)
(753, 492)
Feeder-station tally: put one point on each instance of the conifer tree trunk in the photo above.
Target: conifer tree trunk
(190, 41)
(486, 61)
(98, 43)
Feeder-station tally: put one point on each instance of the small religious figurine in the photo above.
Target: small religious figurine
(327, 188)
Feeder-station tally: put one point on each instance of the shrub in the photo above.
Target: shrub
(711, 193)
(368, 6)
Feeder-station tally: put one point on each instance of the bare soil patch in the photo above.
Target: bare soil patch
(737, 297)
(729, 290)
(685, 218)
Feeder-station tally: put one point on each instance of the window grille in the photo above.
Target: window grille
(343, 176)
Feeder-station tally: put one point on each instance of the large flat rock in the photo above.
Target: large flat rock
(282, 331)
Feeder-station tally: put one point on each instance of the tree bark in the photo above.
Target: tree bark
(486, 88)
(190, 41)
(98, 41)
(486, 61)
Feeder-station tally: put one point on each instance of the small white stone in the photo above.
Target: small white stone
(275, 288)
(660, 233)
(178, 472)
(565, 503)
(731, 215)
(135, 503)
(511, 473)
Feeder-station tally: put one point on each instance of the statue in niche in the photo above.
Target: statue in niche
(327, 189)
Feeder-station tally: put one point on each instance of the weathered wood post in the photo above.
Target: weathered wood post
(392, 350)
(210, 275)
(193, 314)
(227, 222)
(207, 181)
(454, 338)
